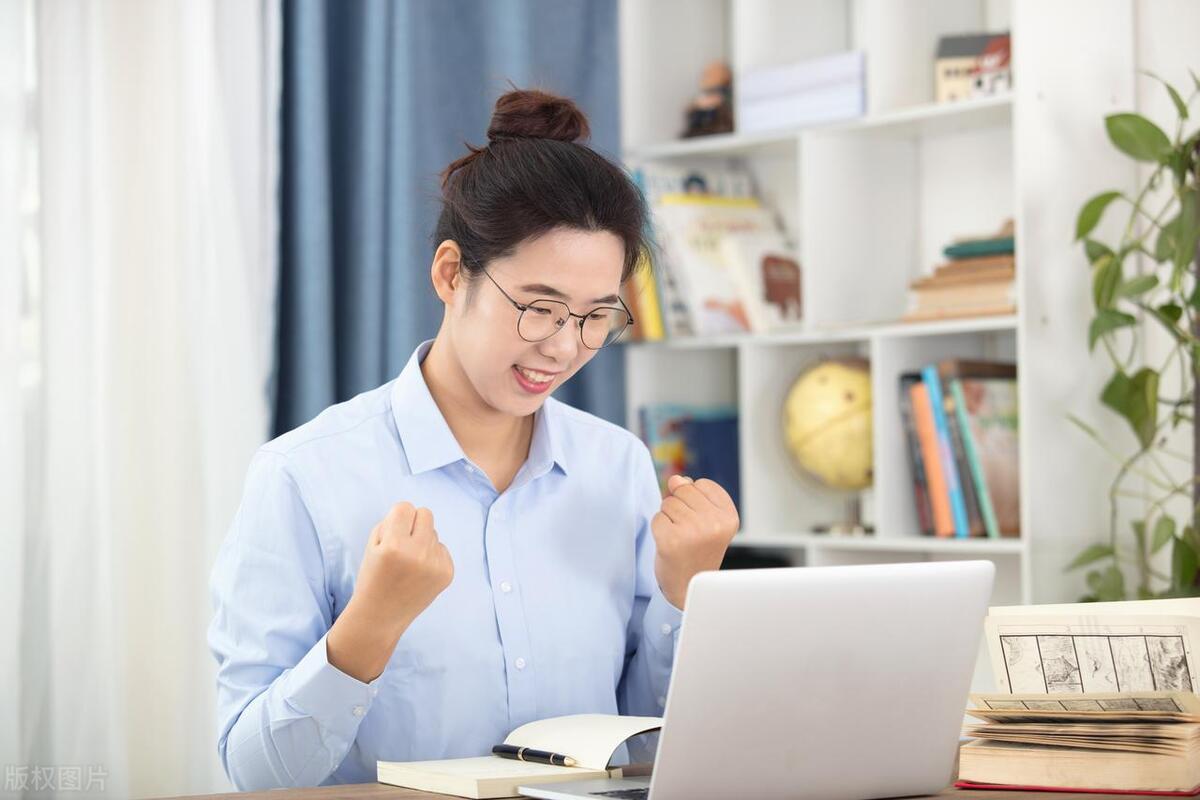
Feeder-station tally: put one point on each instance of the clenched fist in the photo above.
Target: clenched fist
(405, 567)
(691, 532)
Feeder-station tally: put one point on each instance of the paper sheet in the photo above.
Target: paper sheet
(588, 738)
(1112, 647)
(480, 768)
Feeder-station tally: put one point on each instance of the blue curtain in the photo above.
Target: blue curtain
(378, 97)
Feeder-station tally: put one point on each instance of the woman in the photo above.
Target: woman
(421, 569)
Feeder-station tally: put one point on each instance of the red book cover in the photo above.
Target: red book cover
(1007, 787)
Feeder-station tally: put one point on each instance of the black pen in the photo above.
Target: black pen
(535, 756)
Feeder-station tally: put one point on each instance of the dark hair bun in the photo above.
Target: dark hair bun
(533, 114)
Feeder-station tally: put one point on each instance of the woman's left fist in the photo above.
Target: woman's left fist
(692, 531)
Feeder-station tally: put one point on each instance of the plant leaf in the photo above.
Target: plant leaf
(1137, 285)
(1170, 311)
(1189, 535)
(1168, 235)
(1136, 399)
(1095, 250)
(1167, 315)
(1183, 565)
(1108, 584)
(1180, 107)
(1188, 232)
(1106, 277)
(1089, 215)
(1106, 321)
(1164, 531)
(1090, 555)
(1138, 137)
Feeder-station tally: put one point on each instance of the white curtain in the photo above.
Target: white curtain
(15, 168)
(157, 130)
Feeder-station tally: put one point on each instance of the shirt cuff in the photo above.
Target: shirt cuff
(661, 623)
(335, 700)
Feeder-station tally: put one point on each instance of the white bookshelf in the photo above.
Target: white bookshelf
(872, 202)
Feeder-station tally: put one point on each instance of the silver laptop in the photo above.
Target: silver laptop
(818, 682)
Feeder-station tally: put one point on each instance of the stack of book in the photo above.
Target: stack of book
(1092, 697)
(697, 441)
(723, 263)
(1127, 742)
(960, 422)
(808, 92)
(977, 280)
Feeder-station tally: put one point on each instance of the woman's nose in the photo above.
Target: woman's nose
(564, 344)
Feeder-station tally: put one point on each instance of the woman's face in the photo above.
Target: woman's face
(579, 268)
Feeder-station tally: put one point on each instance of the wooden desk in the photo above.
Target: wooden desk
(379, 791)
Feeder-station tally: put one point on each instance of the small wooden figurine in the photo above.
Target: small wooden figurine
(712, 109)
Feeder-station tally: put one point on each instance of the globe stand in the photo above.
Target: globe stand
(852, 525)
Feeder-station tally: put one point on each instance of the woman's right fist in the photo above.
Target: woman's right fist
(404, 567)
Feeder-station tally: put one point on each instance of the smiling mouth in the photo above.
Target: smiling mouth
(532, 381)
(534, 376)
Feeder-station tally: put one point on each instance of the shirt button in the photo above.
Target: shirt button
(666, 629)
(519, 663)
(358, 711)
(374, 691)
(505, 587)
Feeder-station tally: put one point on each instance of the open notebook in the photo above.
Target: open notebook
(590, 739)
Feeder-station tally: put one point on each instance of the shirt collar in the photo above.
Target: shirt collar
(428, 441)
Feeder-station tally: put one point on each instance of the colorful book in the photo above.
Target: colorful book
(981, 247)
(991, 406)
(985, 400)
(691, 228)
(970, 487)
(697, 441)
(915, 462)
(939, 499)
(766, 271)
(958, 506)
(975, 465)
(648, 315)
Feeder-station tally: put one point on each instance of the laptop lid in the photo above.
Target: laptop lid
(821, 682)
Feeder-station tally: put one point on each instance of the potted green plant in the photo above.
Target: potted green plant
(1150, 278)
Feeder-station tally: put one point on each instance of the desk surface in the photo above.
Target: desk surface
(379, 791)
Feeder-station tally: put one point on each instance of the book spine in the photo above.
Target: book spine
(645, 292)
(648, 317)
(958, 506)
(916, 463)
(677, 316)
(983, 247)
(969, 489)
(939, 500)
(985, 498)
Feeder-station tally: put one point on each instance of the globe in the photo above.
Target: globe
(827, 423)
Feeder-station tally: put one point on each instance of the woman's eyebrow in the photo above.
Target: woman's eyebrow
(550, 291)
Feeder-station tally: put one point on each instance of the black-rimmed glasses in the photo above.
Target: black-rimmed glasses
(541, 319)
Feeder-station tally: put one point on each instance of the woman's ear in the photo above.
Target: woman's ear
(446, 272)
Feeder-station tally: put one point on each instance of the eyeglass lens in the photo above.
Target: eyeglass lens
(543, 318)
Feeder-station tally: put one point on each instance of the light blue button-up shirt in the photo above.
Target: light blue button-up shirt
(554, 608)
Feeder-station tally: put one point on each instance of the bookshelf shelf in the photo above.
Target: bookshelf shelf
(930, 119)
(1007, 322)
(904, 544)
(871, 203)
(724, 145)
